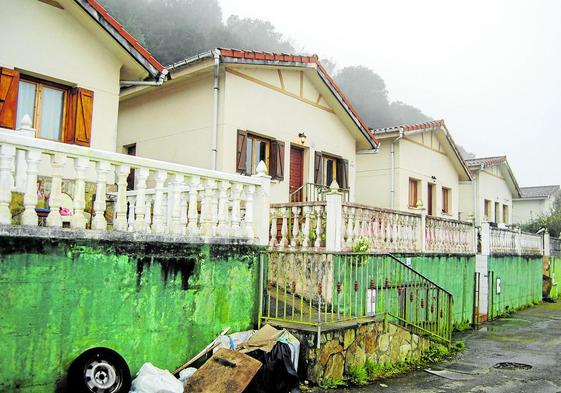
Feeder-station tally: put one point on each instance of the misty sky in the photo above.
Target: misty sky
(491, 69)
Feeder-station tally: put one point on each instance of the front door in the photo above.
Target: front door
(296, 173)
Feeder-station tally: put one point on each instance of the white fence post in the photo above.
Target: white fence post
(485, 238)
(262, 206)
(423, 233)
(334, 220)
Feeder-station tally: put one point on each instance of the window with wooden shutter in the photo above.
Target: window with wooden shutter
(343, 173)
(276, 171)
(79, 109)
(318, 168)
(445, 200)
(9, 85)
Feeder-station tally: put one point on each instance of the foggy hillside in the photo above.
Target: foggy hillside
(176, 29)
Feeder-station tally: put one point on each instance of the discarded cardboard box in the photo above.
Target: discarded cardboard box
(225, 372)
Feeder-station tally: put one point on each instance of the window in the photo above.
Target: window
(414, 193)
(44, 103)
(57, 112)
(431, 199)
(445, 200)
(258, 149)
(505, 214)
(497, 212)
(328, 168)
(487, 209)
(252, 149)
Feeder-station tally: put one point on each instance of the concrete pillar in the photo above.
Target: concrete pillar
(334, 213)
(262, 206)
(482, 270)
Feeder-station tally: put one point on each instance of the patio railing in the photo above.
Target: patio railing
(199, 202)
(449, 236)
(323, 289)
(513, 242)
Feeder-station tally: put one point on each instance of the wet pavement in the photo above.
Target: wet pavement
(529, 337)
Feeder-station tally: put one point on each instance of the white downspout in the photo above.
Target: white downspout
(392, 154)
(216, 90)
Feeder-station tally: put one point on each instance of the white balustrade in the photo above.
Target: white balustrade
(449, 236)
(186, 201)
(512, 242)
(301, 225)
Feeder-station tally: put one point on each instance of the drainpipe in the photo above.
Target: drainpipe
(392, 154)
(216, 90)
(158, 82)
(476, 214)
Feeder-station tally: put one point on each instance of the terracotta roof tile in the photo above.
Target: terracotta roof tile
(126, 35)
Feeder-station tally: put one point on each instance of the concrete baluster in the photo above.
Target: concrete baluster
(319, 226)
(177, 184)
(54, 218)
(29, 216)
(248, 217)
(99, 222)
(223, 211)
(158, 225)
(120, 223)
(81, 165)
(284, 228)
(273, 234)
(130, 220)
(307, 227)
(7, 156)
(192, 214)
(295, 227)
(237, 189)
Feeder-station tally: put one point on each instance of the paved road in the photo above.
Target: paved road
(531, 336)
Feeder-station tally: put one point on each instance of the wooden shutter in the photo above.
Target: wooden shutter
(276, 169)
(9, 87)
(79, 109)
(241, 151)
(318, 168)
(342, 173)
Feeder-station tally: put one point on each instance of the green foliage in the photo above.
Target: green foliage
(462, 326)
(358, 375)
(361, 245)
(436, 353)
(331, 383)
(459, 346)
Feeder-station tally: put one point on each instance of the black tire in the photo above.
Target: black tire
(99, 370)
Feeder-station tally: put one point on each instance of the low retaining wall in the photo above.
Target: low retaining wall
(520, 283)
(150, 301)
(344, 348)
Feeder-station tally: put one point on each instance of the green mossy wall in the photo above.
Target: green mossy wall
(456, 275)
(150, 302)
(521, 283)
(555, 274)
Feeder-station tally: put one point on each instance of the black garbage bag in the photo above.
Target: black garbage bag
(277, 374)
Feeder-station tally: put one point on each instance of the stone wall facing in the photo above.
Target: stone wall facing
(341, 349)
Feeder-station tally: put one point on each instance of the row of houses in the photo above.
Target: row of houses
(164, 190)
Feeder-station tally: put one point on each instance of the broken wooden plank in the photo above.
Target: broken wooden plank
(225, 372)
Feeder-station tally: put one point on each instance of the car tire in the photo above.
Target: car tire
(99, 370)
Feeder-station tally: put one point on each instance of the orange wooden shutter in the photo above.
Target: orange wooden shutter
(241, 151)
(9, 86)
(79, 108)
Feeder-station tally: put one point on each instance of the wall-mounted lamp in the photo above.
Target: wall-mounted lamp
(433, 178)
(302, 137)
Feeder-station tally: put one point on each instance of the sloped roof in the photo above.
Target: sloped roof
(475, 163)
(433, 125)
(283, 59)
(124, 38)
(541, 192)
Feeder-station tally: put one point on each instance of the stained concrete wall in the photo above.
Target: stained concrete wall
(157, 302)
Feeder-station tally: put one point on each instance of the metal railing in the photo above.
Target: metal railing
(311, 192)
(555, 247)
(319, 290)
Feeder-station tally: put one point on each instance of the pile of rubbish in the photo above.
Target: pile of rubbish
(259, 361)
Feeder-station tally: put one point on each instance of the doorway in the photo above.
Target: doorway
(296, 174)
(430, 199)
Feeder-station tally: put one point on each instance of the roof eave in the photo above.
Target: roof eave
(139, 54)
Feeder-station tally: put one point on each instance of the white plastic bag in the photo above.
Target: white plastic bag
(184, 375)
(151, 379)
